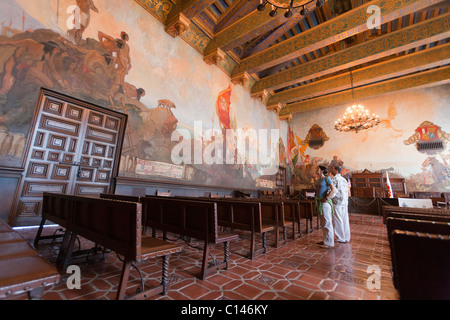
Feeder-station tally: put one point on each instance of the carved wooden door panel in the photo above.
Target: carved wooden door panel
(74, 148)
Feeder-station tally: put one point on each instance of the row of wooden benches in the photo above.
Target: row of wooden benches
(119, 223)
(420, 251)
(22, 269)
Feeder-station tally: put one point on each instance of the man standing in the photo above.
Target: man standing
(325, 191)
(340, 202)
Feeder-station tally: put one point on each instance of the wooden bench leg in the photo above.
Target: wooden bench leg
(277, 235)
(226, 252)
(252, 245)
(39, 233)
(205, 261)
(165, 274)
(299, 227)
(293, 229)
(264, 242)
(123, 280)
(36, 294)
(145, 293)
(66, 249)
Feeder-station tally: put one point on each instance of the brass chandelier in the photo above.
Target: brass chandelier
(288, 5)
(356, 117)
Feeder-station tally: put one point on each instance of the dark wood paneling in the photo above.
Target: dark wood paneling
(9, 180)
(73, 148)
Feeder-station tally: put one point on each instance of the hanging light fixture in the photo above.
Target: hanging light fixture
(356, 117)
(288, 5)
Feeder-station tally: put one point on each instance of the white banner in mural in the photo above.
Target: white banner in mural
(146, 167)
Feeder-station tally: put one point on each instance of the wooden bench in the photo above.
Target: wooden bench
(290, 216)
(272, 215)
(244, 215)
(421, 264)
(22, 269)
(191, 218)
(386, 210)
(418, 216)
(115, 225)
(307, 212)
(423, 226)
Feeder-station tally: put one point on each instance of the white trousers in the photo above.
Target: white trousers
(326, 221)
(341, 223)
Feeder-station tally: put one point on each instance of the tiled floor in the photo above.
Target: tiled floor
(298, 269)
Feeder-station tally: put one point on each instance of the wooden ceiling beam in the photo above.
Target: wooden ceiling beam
(251, 26)
(337, 29)
(416, 35)
(181, 14)
(423, 79)
(277, 33)
(238, 10)
(423, 60)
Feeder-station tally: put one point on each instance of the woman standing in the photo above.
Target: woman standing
(325, 190)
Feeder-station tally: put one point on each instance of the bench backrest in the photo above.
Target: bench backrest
(121, 197)
(196, 219)
(271, 209)
(421, 265)
(306, 208)
(113, 224)
(425, 226)
(418, 216)
(242, 214)
(57, 208)
(433, 211)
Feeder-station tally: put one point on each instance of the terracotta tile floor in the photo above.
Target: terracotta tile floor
(298, 269)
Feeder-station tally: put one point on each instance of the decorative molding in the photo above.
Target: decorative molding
(178, 25)
(276, 107)
(286, 117)
(160, 9)
(261, 95)
(240, 79)
(214, 57)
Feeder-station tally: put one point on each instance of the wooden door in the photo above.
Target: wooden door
(73, 148)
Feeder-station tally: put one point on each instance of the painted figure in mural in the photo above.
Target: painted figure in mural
(340, 202)
(335, 162)
(52, 61)
(85, 17)
(25, 64)
(119, 52)
(325, 191)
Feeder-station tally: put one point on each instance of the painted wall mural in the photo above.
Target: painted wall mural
(411, 141)
(119, 57)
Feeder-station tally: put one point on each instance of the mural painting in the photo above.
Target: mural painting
(431, 140)
(100, 63)
(428, 163)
